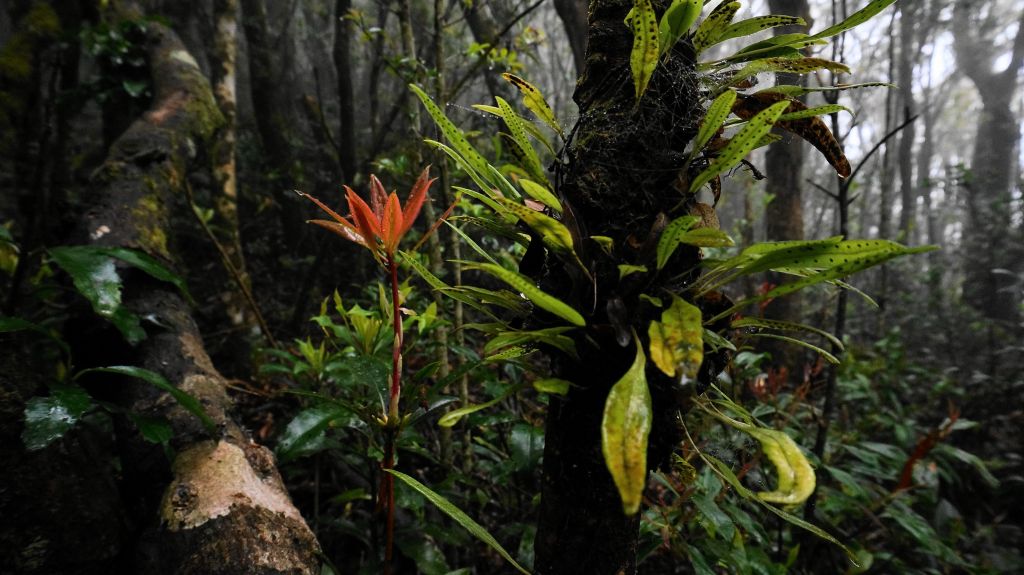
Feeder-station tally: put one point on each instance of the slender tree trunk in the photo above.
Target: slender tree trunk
(618, 146)
(784, 215)
(275, 116)
(573, 14)
(346, 94)
(225, 174)
(908, 53)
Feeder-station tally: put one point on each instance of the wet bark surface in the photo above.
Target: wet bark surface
(219, 505)
(616, 182)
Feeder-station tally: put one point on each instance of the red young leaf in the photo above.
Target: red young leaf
(369, 225)
(378, 195)
(344, 230)
(324, 207)
(391, 224)
(416, 198)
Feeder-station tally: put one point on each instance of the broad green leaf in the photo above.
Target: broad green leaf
(846, 265)
(606, 244)
(856, 19)
(796, 91)
(676, 342)
(530, 127)
(669, 240)
(971, 460)
(510, 353)
(515, 127)
(477, 178)
(459, 516)
(47, 419)
(706, 238)
(452, 417)
(643, 59)
(96, 278)
(525, 286)
(758, 24)
(725, 473)
(186, 401)
(712, 27)
(152, 266)
(815, 111)
(554, 234)
(552, 385)
(15, 324)
(535, 102)
(740, 145)
(504, 187)
(717, 342)
(451, 133)
(153, 429)
(624, 430)
(781, 325)
(789, 65)
(541, 193)
(795, 475)
(421, 270)
(718, 111)
(777, 46)
(676, 22)
(627, 269)
(306, 432)
(552, 336)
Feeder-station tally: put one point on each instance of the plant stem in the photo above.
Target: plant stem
(392, 417)
(396, 355)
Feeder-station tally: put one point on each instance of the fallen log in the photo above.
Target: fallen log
(225, 510)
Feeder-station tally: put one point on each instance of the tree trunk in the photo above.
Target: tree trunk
(908, 191)
(616, 182)
(784, 215)
(225, 173)
(573, 14)
(275, 115)
(346, 95)
(989, 183)
(223, 507)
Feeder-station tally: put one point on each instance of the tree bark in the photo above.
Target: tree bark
(573, 14)
(346, 95)
(275, 116)
(616, 182)
(987, 237)
(225, 173)
(222, 507)
(908, 189)
(784, 214)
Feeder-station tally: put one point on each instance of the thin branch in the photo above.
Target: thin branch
(235, 274)
(878, 145)
(822, 189)
(483, 59)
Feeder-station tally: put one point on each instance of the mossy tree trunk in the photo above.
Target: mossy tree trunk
(616, 182)
(221, 507)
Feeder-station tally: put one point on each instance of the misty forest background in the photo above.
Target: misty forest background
(918, 451)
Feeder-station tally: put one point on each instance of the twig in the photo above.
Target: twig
(483, 59)
(235, 274)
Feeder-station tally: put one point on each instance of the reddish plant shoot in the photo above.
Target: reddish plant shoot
(380, 226)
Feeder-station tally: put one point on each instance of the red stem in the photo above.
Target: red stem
(392, 415)
(396, 355)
